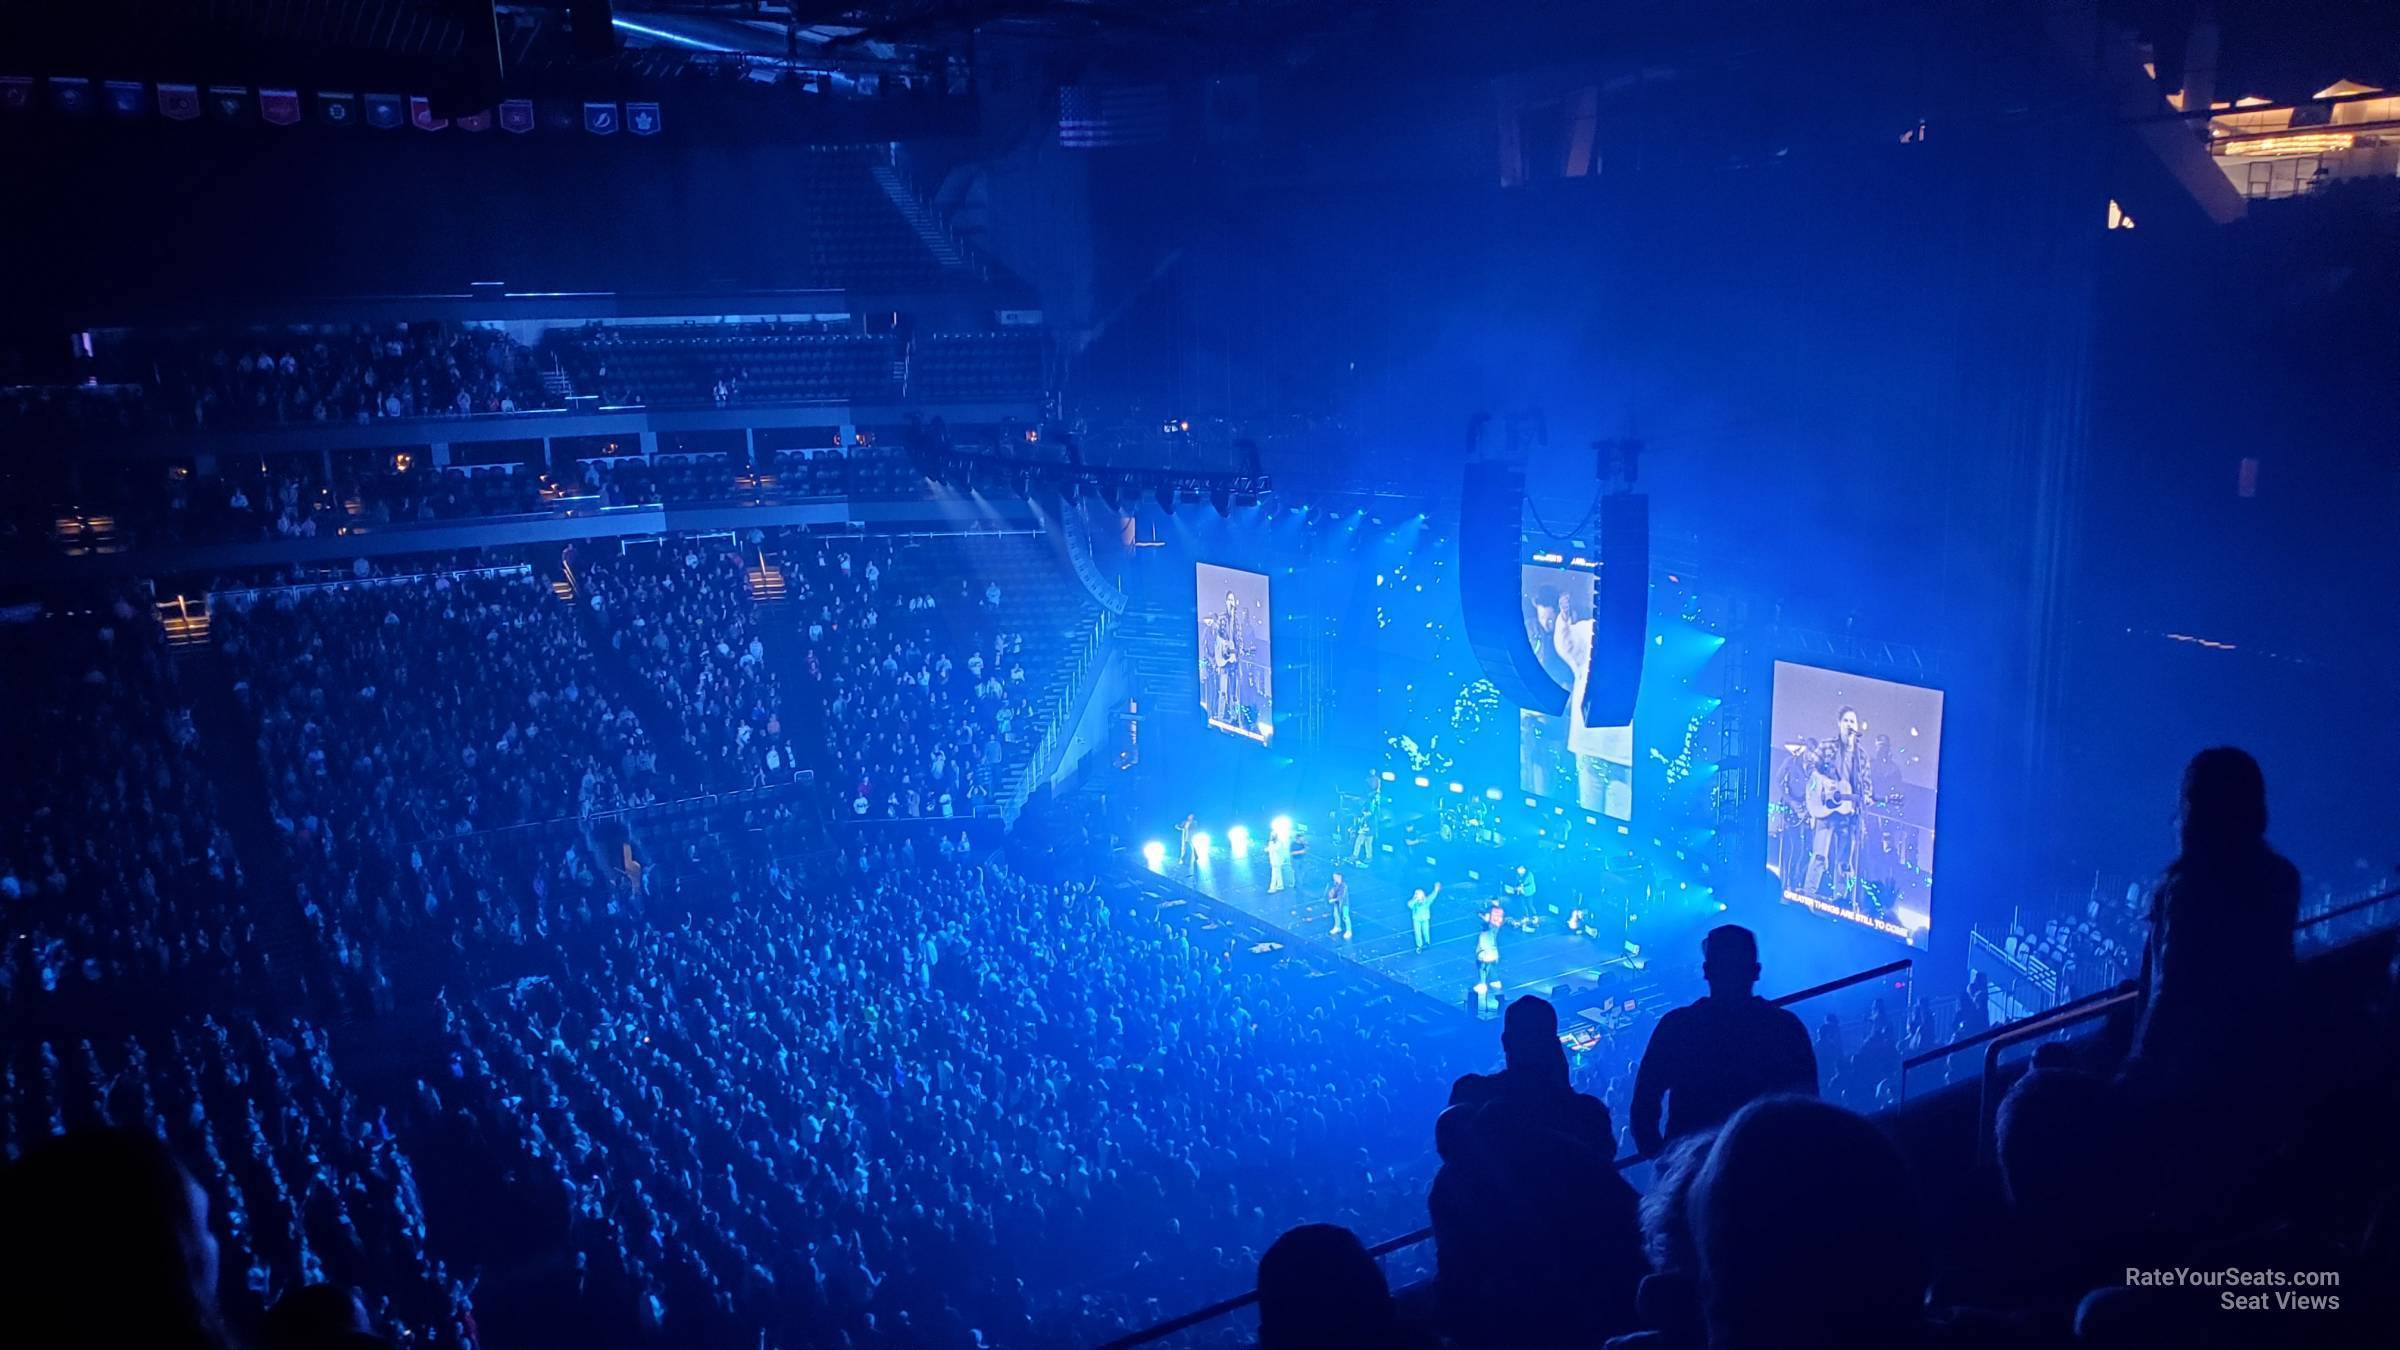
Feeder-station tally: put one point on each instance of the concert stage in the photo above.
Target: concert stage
(1590, 979)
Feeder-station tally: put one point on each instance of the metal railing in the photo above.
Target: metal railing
(2033, 1028)
(249, 595)
(1225, 1307)
(1059, 716)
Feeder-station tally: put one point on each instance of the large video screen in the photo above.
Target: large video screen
(1237, 652)
(1850, 806)
(1560, 757)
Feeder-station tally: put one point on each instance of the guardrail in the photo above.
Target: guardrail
(1056, 723)
(1213, 1311)
(2033, 1028)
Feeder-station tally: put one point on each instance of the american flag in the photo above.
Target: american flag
(1093, 117)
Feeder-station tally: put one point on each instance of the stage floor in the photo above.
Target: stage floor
(1589, 979)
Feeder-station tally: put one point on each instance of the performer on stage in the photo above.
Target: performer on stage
(1837, 791)
(1184, 853)
(1487, 944)
(1279, 861)
(1487, 957)
(1420, 915)
(1295, 858)
(1362, 844)
(1338, 896)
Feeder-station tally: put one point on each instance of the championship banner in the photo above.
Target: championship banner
(337, 110)
(16, 93)
(279, 107)
(384, 112)
(642, 119)
(123, 99)
(179, 102)
(420, 115)
(71, 95)
(600, 119)
(481, 121)
(516, 115)
(230, 102)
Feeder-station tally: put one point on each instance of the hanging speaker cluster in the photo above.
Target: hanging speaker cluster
(1490, 574)
(1491, 523)
(1620, 611)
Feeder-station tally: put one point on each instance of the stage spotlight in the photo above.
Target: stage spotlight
(1155, 854)
(1200, 845)
(1720, 906)
(1458, 787)
(1491, 794)
(1237, 841)
(1280, 827)
(1423, 781)
(1390, 777)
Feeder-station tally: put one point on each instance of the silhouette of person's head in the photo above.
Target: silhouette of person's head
(107, 1243)
(316, 1317)
(2063, 1152)
(1729, 960)
(1788, 1180)
(1319, 1290)
(1667, 1208)
(1529, 1039)
(2224, 802)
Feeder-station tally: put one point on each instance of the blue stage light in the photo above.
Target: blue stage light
(1237, 839)
(1280, 827)
(1155, 854)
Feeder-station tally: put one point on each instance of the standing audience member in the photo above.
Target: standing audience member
(1732, 1047)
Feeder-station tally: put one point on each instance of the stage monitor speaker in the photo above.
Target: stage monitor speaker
(1620, 611)
(1491, 530)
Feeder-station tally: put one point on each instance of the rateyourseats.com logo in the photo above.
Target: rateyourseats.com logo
(2240, 1290)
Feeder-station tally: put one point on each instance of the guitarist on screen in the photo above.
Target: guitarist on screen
(1228, 647)
(1837, 791)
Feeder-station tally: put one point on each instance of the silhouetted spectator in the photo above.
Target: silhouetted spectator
(2221, 920)
(1535, 1079)
(1808, 1233)
(108, 1244)
(1732, 1047)
(1319, 1290)
(318, 1317)
(1535, 1232)
(1668, 1302)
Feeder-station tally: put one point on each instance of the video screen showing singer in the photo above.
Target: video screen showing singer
(1236, 652)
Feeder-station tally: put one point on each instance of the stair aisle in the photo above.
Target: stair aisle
(676, 762)
(229, 738)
